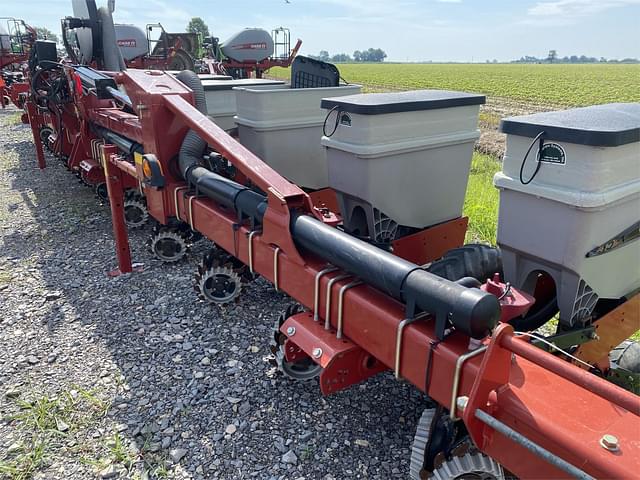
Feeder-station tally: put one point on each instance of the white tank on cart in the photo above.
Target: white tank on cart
(579, 217)
(249, 45)
(283, 126)
(400, 159)
(132, 41)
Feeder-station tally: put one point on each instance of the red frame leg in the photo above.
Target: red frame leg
(113, 176)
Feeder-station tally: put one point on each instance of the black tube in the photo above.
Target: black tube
(471, 310)
(193, 147)
(127, 146)
(229, 193)
(372, 264)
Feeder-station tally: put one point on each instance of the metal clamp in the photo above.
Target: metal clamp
(316, 291)
(343, 290)
(456, 379)
(175, 199)
(399, 332)
(251, 235)
(275, 269)
(327, 311)
(191, 212)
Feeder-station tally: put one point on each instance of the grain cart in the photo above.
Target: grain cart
(249, 52)
(452, 327)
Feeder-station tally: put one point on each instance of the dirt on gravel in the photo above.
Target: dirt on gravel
(133, 377)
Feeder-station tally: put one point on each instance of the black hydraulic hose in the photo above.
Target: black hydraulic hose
(193, 147)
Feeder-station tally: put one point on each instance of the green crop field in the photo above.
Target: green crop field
(564, 85)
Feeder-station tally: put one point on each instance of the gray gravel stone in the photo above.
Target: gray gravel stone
(290, 458)
(176, 454)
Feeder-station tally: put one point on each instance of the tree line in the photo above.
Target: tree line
(553, 57)
(374, 55)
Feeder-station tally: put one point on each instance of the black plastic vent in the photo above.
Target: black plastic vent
(309, 73)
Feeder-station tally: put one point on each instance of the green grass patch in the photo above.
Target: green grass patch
(43, 425)
(481, 202)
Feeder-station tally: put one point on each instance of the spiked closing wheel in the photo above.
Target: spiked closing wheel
(432, 455)
(45, 133)
(420, 443)
(302, 370)
(471, 466)
(220, 277)
(168, 245)
(101, 192)
(135, 209)
(220, 285)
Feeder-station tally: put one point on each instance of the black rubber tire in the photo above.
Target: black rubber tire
(475, 260)
(627, 356)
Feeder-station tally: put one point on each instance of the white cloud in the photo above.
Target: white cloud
(573, 8)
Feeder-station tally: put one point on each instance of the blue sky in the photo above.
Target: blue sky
(437, 30)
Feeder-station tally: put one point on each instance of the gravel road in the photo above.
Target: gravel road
(133, 377)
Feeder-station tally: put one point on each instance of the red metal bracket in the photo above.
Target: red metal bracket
(513, 302)
(494, 372)
(344, 363)
(431, 243)
(91, 172)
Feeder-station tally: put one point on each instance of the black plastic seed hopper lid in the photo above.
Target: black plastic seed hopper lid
(608, 125)
(417, 100)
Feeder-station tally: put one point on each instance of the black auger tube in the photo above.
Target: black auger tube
(228, 193)
(470, 310)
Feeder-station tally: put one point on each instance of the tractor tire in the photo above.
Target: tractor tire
(181, 61)
(474, 260)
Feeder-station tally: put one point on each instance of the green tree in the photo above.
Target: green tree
(45, 34)
(197, 25)
(341, 57)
